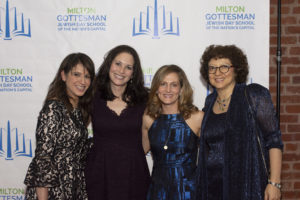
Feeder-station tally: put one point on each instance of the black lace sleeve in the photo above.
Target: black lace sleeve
(42, 171)
(265, 115)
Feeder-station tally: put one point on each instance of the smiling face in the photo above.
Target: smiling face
(121, 69)
(222, 81)
(169, 90)
(77, 81)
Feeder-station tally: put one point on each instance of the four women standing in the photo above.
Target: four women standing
(240, 145)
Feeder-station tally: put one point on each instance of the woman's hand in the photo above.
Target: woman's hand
(272, 193)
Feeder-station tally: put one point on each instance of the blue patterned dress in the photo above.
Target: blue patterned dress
(173, 175)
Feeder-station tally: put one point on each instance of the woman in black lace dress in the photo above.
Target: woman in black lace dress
(56, 171)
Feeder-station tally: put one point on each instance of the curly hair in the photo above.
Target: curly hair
(57, 88)
(185, 102)
(234, 54)
(135, 92)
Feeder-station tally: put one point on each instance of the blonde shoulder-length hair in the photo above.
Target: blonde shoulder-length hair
(185, 102)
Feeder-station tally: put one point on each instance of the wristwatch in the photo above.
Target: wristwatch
(278, 185)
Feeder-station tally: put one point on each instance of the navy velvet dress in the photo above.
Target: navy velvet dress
(215, 129)
(173, 175)
(243, 173)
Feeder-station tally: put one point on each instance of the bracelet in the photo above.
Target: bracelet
(278, 185)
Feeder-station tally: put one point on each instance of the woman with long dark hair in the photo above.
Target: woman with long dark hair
(117, 167)
(56, 171)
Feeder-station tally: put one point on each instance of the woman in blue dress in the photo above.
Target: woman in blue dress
(171, 125)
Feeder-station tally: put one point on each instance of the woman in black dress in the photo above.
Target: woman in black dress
(56, 171)
(116, 167)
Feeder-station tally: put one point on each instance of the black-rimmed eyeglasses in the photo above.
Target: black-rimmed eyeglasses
(223, 69)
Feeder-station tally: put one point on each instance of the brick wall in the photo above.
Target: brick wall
(290, 90)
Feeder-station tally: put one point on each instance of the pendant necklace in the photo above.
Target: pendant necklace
(223, 103)
(167, 140)
(169, 135)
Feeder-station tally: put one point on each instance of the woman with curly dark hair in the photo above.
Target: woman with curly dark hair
(117, 167)
(240, 145)
(171, 127)
(57, 169)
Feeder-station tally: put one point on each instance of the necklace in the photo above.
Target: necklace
(223, 103)
(167, 140)
(169, 135)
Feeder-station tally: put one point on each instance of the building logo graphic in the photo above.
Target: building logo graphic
(12, 144)
(156, 21)
(13, 23)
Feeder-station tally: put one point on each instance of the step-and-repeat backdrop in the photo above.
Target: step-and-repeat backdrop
(36, 35)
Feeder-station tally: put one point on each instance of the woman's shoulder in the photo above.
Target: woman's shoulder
(255, 89)
(53, 105)
(195, 121)
(98, 100)
(197, 116)
(147, 120)
(198, 113)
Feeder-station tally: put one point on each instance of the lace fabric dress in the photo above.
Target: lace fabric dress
(173, 175)
(61, 147)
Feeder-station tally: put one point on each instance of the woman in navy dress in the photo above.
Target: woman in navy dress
(116, 167)
(240, 138)
(171, 126)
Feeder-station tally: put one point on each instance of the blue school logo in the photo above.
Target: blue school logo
(13, 144)
(13, 23)
(155, 22)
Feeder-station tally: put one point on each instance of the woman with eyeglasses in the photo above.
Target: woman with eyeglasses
(240, 146)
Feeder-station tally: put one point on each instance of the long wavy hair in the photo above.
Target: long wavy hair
(57, 89)
(135, 92)
(185, 101)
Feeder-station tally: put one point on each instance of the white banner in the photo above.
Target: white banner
(36, 35)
